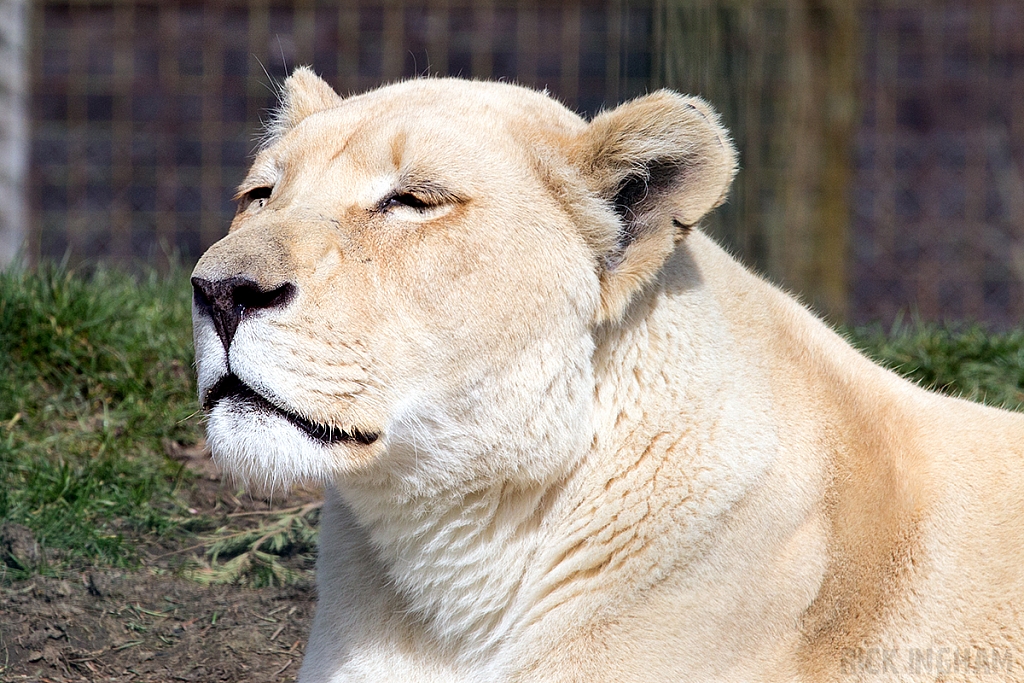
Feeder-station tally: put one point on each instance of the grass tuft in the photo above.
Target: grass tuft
(95, 371)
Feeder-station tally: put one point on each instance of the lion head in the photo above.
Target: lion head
(409, 292)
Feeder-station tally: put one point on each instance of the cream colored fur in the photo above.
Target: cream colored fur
(604, 450)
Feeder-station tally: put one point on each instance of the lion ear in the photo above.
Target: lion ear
(661, 162)
(303, 93)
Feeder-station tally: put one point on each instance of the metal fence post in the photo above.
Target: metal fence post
(783, 76)
(13, 128)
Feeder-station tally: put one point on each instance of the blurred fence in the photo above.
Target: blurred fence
(937, 192)
(881, 142)
(145, 112)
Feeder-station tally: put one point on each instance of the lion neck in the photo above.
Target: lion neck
(459, 563)
(465, 503)
(476, 558)
(681, 418)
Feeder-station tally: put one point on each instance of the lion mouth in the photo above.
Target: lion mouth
(230, 386)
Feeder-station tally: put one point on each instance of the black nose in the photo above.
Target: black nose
(228, 301)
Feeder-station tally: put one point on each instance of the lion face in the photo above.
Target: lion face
(386, 277)
(410, 287)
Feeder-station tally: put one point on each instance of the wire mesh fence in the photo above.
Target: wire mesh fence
(881, 142)
(938, 193)
(145, 113)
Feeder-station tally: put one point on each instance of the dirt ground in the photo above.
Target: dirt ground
(150, 625)
(139, 626)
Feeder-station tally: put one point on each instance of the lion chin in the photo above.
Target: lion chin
(268, 445)
(565, 436)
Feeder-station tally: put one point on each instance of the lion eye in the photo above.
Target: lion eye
(257, 196)
(405, 199)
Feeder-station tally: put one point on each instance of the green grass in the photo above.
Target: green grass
(96, 373)
(963, 360)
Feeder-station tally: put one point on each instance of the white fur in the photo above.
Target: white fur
(607, 451)
(266, 450)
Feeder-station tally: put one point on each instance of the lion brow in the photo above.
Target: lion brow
(430, 189)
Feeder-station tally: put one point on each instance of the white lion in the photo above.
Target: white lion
(568, 438)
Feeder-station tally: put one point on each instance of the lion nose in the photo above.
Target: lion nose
(228, 301)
